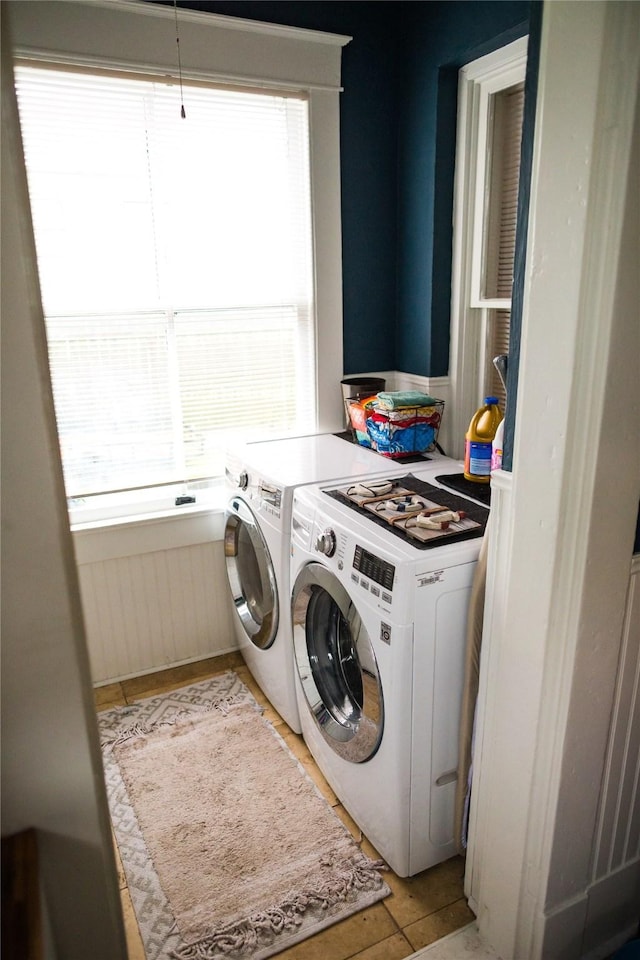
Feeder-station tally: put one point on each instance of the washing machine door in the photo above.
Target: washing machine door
(336, 665)
(251, 574)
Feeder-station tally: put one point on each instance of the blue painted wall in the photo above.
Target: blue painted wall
(398, 112)
(437, 39)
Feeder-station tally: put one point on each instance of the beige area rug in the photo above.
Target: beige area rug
(229, 849)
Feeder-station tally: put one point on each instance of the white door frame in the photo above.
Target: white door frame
(558, 562)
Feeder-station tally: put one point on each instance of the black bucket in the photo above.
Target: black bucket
(361, 386)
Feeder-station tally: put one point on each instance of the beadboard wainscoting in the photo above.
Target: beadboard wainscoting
(601, 911)
(616, 861)
(607, 909)
(154, 594)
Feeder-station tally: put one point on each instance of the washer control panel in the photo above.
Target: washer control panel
(372, 567)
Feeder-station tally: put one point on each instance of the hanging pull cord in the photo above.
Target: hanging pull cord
(182, 110)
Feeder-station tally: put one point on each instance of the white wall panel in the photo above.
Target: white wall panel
(618, 840)
(155, 610)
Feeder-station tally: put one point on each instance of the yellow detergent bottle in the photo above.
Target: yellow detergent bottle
(478, 440)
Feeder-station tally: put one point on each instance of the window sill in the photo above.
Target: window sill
(118, 537)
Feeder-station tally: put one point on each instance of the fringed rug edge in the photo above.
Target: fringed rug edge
(168, 944)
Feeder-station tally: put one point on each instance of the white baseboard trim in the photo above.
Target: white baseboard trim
(607, 949)
(597, 922)
(463, 944)
(167, 666)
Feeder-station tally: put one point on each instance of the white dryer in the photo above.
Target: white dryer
(262, 477)
(379, 625)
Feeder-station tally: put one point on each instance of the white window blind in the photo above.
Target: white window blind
(175, 259)
(501, 221)
(502, 194)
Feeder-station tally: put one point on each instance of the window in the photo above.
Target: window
(491, 101)
(237, 345)
(176, 270)
(492, 262)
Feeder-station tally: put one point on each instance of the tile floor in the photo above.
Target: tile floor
(420, 909)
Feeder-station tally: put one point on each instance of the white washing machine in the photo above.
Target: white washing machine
(379, 605)
(262, 477)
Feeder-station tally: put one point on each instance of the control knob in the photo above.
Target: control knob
(326, 543)
(243, 480)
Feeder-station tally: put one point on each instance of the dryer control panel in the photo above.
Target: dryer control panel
(381, 571)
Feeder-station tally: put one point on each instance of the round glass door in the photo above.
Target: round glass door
(336, 665)
(250, 573)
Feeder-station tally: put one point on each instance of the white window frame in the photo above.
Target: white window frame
(468, 363)
(127, 35)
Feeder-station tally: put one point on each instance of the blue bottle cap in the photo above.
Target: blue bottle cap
(493, 400)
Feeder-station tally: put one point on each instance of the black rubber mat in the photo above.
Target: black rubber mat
(473, 510)
(406, 459)
(459, 483)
